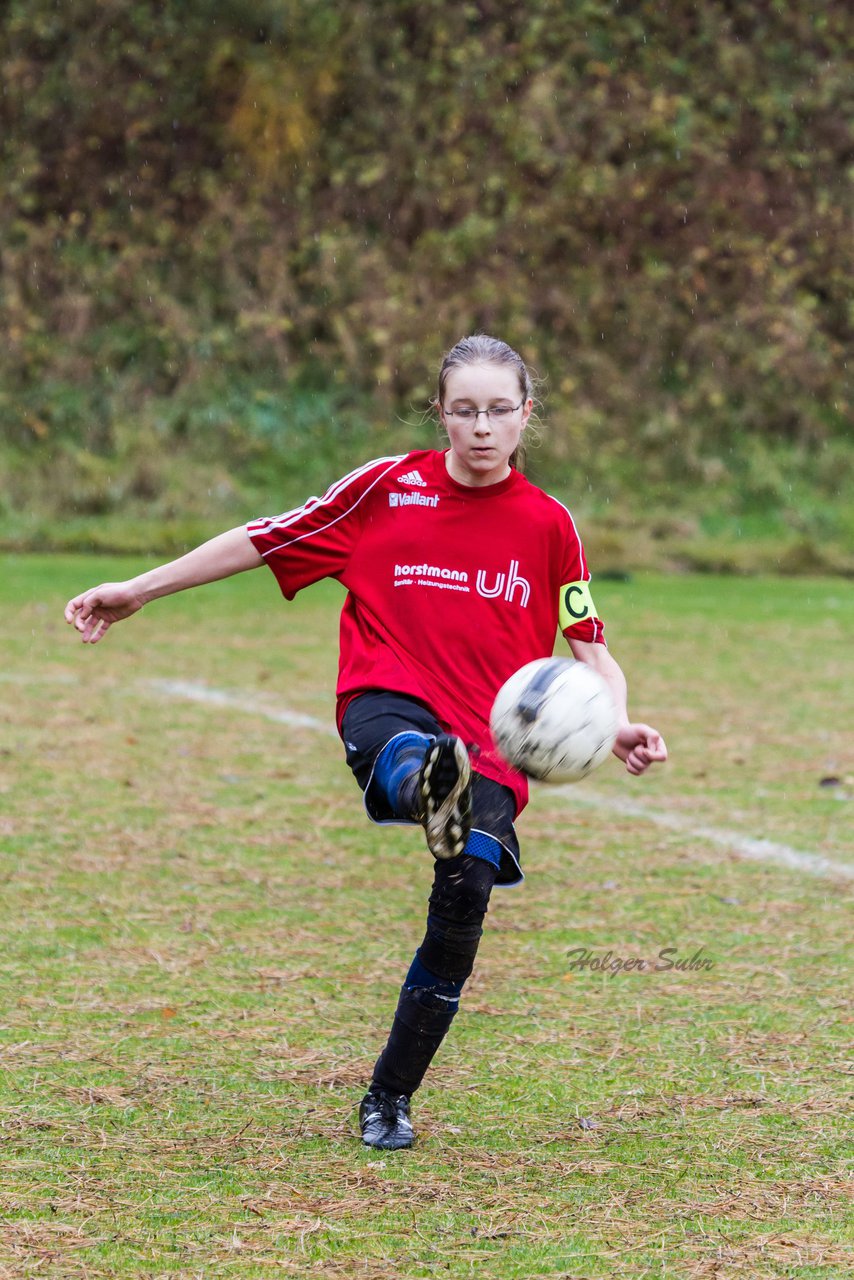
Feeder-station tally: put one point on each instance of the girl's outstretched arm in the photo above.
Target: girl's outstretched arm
(93, 612)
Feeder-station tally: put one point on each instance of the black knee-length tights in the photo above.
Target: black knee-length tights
(458, 904)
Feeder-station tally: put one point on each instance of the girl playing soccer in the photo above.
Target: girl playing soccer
(458, 572)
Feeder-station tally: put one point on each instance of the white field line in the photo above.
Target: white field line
(190, 691)
(48, 677)
(747, 847)
(733, 841)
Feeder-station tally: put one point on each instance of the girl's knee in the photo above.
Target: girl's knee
(461, 889)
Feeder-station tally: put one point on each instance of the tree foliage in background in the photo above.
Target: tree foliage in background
(234, 232)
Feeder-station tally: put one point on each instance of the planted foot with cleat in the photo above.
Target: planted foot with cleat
(384, 1120)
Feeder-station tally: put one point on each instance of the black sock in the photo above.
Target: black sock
(416, 1033)
(458, 904)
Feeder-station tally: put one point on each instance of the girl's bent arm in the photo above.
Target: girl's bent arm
(637, 745)
(598, 657)
(94, 611)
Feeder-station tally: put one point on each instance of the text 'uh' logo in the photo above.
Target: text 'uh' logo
(506, 585)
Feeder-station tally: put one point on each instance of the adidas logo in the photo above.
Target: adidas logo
(412, 477)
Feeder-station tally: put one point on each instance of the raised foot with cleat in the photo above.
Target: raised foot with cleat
(444, 788)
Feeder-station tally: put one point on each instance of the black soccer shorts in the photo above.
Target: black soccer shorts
(373, 719)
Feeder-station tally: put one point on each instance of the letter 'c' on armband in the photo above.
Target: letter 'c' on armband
(576, 604)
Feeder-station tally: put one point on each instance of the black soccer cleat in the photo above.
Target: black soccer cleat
(444, 789)
(384, 1120)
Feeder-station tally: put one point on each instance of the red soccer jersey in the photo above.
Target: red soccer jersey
(451, 588)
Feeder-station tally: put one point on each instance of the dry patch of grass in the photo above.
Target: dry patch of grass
(196, 985)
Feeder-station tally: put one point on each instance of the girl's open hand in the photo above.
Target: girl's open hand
(93, 612)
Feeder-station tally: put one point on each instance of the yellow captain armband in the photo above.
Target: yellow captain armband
(576, 604)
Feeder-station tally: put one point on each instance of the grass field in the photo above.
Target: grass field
(194, 986)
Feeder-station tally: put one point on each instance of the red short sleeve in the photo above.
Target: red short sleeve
(316, 540)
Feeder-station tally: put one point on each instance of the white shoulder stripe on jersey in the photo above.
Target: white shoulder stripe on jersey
(262, 523)
(585, 572)
(312, 533)
(267, 524)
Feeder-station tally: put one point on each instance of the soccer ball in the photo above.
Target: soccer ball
(555, 720)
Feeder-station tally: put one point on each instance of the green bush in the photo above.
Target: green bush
(227, 228)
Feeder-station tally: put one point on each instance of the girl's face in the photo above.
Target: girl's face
(481, 445)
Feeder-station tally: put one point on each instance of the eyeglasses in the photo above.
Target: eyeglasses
(496, 414)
